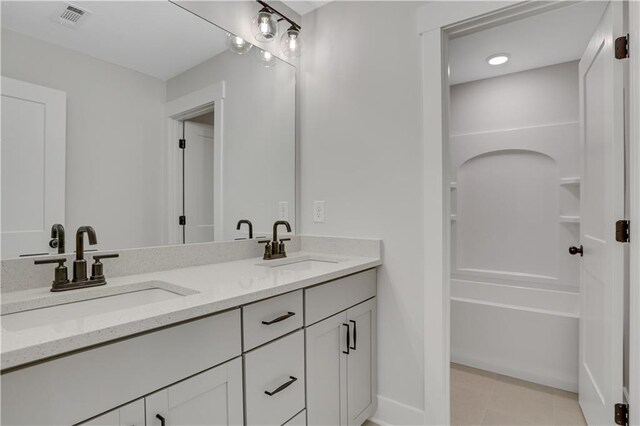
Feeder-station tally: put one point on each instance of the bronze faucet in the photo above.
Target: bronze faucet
(80, 265)
(61, 281)
(275, 249)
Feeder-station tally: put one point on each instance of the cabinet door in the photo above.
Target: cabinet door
(131, 414)
(210, 398)
(327, 372)
(361, 362)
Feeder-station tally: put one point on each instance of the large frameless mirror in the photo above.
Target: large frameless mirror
(142, 120)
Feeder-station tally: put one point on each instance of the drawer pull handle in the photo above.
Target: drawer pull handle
(161, 418)
(282, 386)
(280, 318)
(355, 335)
(348, 340)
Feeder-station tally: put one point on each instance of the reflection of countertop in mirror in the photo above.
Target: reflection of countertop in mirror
(191, 292)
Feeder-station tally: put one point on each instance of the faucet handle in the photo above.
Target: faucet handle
(59, 260)
(285, 239)
(97, 257)
(60, 277)
(267, 249)
(97, 272)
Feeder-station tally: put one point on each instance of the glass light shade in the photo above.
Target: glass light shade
(265, 58)
(290, 43)
(265, 26)
(237, 44)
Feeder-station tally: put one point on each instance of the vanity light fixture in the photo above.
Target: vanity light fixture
(265, 25)
(237, 44)
(265, 29)
(290, 42)
(266, 59)
(498, 59)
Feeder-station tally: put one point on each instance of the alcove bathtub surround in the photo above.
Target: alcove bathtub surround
(515, 167)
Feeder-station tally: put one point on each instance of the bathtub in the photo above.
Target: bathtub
(522, 332)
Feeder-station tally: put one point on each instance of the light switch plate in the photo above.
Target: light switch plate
(283, 210)
(318, 211)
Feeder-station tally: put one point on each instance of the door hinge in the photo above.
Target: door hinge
(621, 415)
(182, 143)
(622, 231)
(622, 47)
(182, 220)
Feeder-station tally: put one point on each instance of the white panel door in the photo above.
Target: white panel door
(327, 372)
(210, 398)
(198, 182)
(602, 203)
(361, 362)
(33, 165)
(131, 414)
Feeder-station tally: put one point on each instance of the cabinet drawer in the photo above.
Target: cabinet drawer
(276, 368)
(325, 300)
(269, 319)
(299, 420)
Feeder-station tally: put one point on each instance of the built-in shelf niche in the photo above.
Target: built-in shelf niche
(569, 219)
(570, 199)
(570, 181)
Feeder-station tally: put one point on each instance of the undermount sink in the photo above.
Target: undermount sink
(96, 303)
(302, 263)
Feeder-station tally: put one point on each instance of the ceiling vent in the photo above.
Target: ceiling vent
(70, 15)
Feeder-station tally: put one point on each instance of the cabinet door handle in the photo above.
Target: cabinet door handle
(282, 386)
(355, 335)
(161, 418)
(280, 318)
(348, 339)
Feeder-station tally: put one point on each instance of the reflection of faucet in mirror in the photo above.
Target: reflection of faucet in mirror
(248, 222)
(57, 238)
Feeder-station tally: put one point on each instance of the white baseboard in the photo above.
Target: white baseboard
(563, 383)
(394, 413)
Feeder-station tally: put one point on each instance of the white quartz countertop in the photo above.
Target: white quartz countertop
(214, 288)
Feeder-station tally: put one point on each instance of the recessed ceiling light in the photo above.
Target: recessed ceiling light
(498, 59)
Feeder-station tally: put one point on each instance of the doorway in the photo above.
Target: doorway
(528, 306)
(197, 157)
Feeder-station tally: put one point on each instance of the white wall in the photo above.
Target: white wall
(361, 153)
(113, 146)
(259, 135)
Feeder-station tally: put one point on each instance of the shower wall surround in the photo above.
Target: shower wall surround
(515, 178)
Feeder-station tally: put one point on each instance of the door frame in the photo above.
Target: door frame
(437, 22)
(176, 111)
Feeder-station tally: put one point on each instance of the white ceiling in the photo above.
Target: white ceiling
(156, 38)
(560, 35)
(303, 7)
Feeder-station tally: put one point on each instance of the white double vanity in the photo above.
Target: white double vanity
(236, 341)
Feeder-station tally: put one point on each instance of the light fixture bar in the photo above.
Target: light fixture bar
(272, 10)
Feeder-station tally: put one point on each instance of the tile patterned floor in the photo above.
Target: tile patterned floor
(482, 398)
